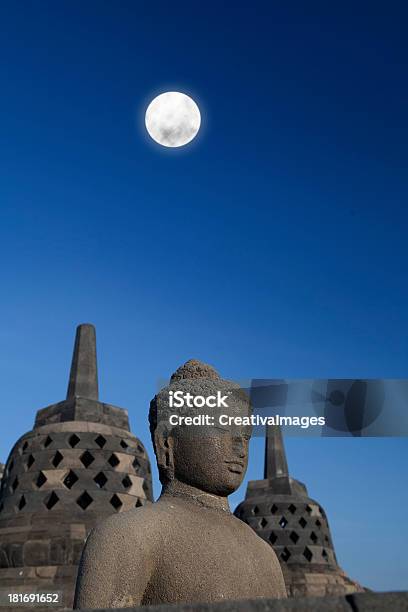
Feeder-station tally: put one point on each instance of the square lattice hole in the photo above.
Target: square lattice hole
(22, 502)
(294, 537)
(84, 500)
(283, 522)
(127, 482)
(100, 441)
(100, 479)
(113, 460)
(57, 459)
(116, 501)
(87, 458)
(70, 479)
(41, 480)
(73, 440)
(47, 441)
(51, 500)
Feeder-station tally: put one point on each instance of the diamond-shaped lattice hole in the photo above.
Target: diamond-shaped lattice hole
(294, 537)
(313, 537)
(283, 522)
(136, 464)
(73, 440)
(51, 500)
(47, 441)
(263, 522)
(15, 484)
(100, 480)
(1, 507)
(41, 480)
(321, 511)
(70, 479)
(302, 522)
(138, 504)
(145, 487)
(126, 482)
(307, 553)
(140, 449)
(318, 523)
(113, 460)
(116, 501)
(10, 467)
(292, 508)
(325, 555)
(326, 539)
(255, 510)
(84, 500)
(57, 459)
(274, 509)
(285, 554)
(309, 509)
(22, 502)
(25, 445)
(87, 458)
(124, 444)
(100, 441)
(30, 461)
(273, 537)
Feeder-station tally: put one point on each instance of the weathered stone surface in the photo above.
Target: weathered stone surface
(187, 547)
(280, 511)
(77, 466)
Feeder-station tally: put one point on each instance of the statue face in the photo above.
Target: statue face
(210, 458)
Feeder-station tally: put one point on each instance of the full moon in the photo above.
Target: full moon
(173, 119)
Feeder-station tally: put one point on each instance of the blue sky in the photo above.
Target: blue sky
(272, 246)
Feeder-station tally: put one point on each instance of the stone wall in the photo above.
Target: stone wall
(357, 602)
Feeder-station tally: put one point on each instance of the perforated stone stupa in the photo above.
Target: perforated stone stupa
(279, 509)
(78, 465)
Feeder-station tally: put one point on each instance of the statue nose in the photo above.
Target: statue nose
(238, 447)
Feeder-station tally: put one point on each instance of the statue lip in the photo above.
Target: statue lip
(236, 466)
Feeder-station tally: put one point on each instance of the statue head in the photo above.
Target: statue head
(206, 454)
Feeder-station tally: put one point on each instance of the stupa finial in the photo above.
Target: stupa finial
(276, 465)
(83, 378)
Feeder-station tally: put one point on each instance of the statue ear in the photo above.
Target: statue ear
(163, 444)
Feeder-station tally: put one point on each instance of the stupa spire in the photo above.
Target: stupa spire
(83, 378)
(276, 465)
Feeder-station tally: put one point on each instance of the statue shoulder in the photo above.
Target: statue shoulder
(133, 525)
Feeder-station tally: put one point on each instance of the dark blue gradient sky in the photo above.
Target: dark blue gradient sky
(275, 245)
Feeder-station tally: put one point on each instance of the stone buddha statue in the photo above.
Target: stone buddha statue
(186, 547)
